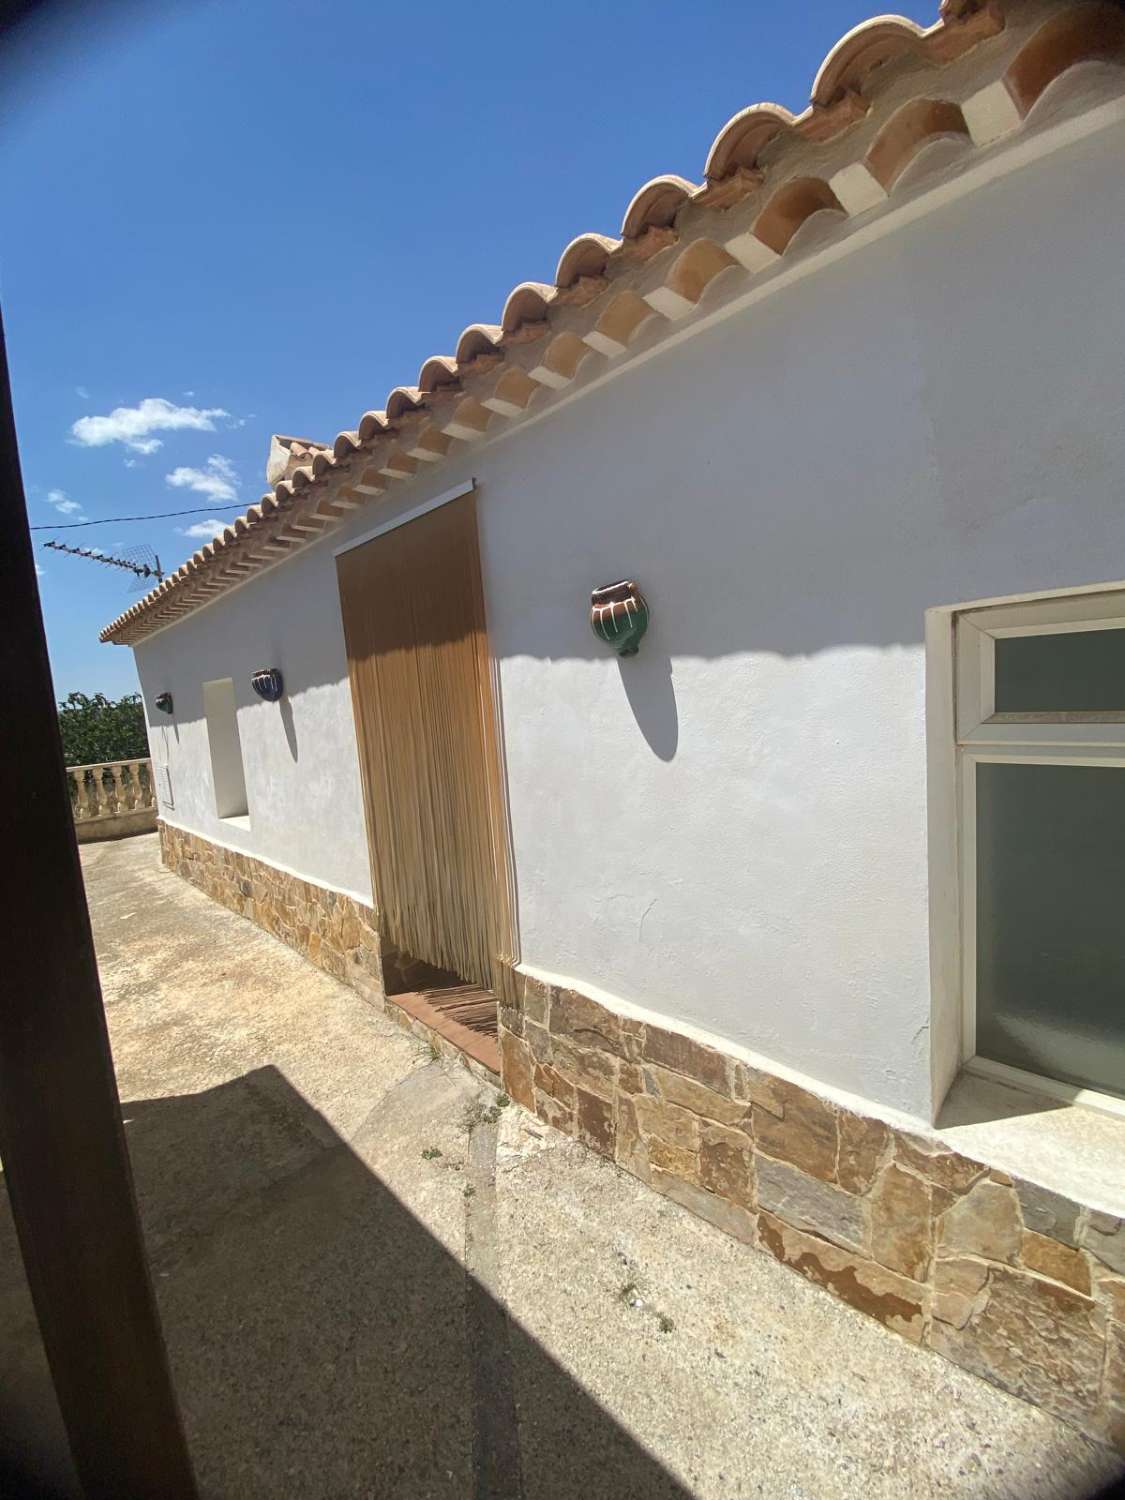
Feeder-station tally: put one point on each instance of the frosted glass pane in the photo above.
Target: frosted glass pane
(1051, 921)
(1075, 671)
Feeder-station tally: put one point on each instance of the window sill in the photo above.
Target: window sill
(237, 820)
(1032, 1083)
(1069, 1148)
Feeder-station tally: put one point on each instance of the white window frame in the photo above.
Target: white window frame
(984, 736)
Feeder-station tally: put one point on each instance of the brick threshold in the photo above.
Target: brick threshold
(464, 1016)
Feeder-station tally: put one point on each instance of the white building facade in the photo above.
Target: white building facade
(749, 863)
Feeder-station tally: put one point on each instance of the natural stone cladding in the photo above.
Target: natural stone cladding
(1013, 1282)
(339, 934)
(334, 931)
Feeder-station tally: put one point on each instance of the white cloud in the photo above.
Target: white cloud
(63, 503)
(82, 393)
(40, 572)
(218, 480)
(204, 529)
(133, 425)
(222, 466)
(131, 463)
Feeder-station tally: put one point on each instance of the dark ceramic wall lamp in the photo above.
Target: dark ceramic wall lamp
(619, 616)
(267, 684)
(164, 702)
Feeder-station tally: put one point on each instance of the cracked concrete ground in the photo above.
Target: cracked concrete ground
(376, 1282)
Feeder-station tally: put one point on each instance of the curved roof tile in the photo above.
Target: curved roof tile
(744, 136)
(478, 339)
(527, 303)
(584, 256)
(438, 370)
(370, 424)
(655, 205)
(860, 51)
(402, 399)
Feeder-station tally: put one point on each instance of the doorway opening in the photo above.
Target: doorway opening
(228, 774)
(420, 669)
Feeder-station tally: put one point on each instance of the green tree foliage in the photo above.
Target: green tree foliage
(98, 729)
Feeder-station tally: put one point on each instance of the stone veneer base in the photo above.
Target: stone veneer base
(1013, 1282)
(336, 932)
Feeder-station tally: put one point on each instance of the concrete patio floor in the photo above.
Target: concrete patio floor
(376, 1282)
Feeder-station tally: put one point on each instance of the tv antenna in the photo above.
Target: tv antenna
(142, 560)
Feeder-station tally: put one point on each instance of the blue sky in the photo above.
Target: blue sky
(260, 217)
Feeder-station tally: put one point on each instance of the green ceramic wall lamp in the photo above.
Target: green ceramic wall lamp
(619, 616)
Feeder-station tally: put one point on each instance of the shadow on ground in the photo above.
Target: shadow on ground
(314, 1321)
(329, 1341)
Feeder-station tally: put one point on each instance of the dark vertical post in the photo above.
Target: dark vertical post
(61, 1136)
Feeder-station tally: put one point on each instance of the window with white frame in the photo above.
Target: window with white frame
(1040, 690)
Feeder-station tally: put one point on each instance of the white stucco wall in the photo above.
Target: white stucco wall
(299, 755)
(730, 829)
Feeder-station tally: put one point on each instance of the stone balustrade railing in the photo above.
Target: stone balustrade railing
(112, 799)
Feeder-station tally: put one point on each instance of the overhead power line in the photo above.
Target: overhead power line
(161, 515)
